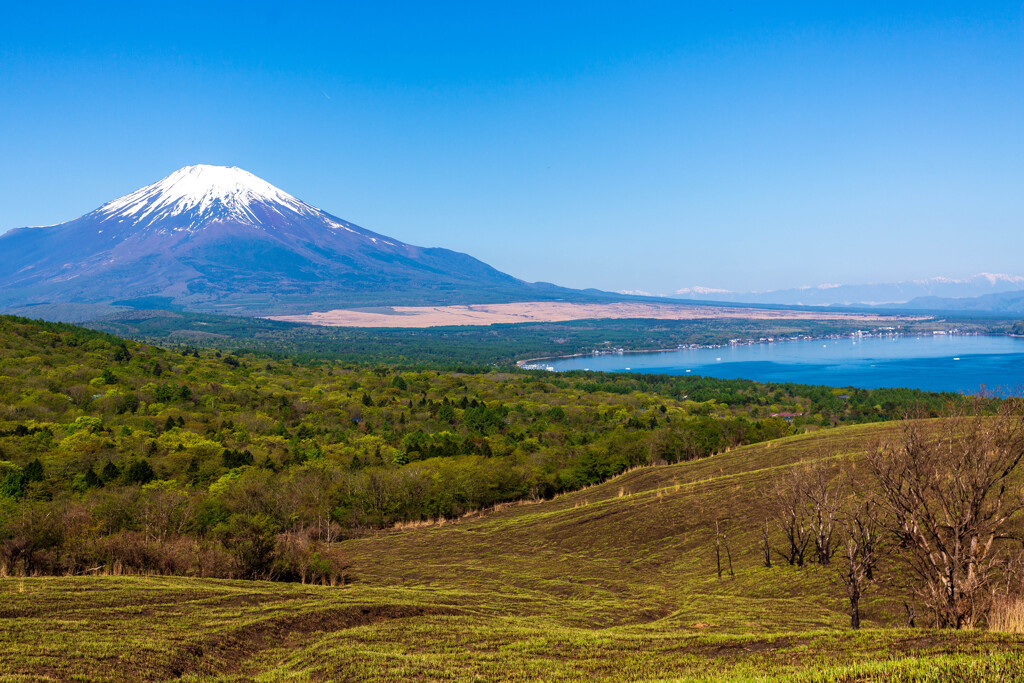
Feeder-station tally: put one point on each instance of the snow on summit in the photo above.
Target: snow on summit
(219, 238)
(196, 194)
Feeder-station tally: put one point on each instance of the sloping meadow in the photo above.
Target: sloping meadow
(617, 581)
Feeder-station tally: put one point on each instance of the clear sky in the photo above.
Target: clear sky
(626, 146)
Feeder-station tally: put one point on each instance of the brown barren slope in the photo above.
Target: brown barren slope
(548, 311)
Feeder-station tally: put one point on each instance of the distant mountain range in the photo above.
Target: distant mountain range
(220, 239)
(1008, 303)
(937, 293)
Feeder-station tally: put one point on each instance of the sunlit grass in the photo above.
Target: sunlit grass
(613, 582)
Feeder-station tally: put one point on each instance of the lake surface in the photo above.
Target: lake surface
(934, 363)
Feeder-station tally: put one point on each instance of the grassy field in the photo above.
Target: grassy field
(617, 581)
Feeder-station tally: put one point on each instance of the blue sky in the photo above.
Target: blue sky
(626, 146)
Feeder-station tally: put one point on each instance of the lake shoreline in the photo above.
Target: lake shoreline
(964, 362)
(532, 363)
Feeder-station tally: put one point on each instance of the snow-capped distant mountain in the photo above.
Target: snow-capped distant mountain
(866, 295)
(219, 238)
(193, 196)
(701, 291)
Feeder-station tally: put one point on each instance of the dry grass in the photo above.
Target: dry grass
(1007, 615)
(557, 311)
(419, 524)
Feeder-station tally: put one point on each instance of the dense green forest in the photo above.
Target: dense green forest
(123, 455)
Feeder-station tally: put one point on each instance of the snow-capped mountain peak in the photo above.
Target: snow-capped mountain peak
(702, 290)
(196, 194)
(220, 238)
(994, 278)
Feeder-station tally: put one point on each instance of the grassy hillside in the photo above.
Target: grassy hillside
(616, 581)
(114, 453)
(641, 546)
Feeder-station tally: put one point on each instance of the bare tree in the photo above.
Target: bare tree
(949, 492)
(728, 556)
(766, 545)
(824, 494)
(862, 525)
(790, 510)
(721, 542)
(860, 545)
(854, 578)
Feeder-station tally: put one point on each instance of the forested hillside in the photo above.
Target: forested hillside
(125, 456)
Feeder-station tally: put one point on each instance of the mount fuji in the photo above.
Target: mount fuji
(220, 239)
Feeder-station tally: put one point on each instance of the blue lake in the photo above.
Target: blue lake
(934, 363)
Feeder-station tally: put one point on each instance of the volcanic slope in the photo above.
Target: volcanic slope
(614, 582)
(219, 238)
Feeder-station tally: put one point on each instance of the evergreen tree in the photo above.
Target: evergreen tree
(92, 480)
(33, 471)
(110, 472)
(139, 472)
